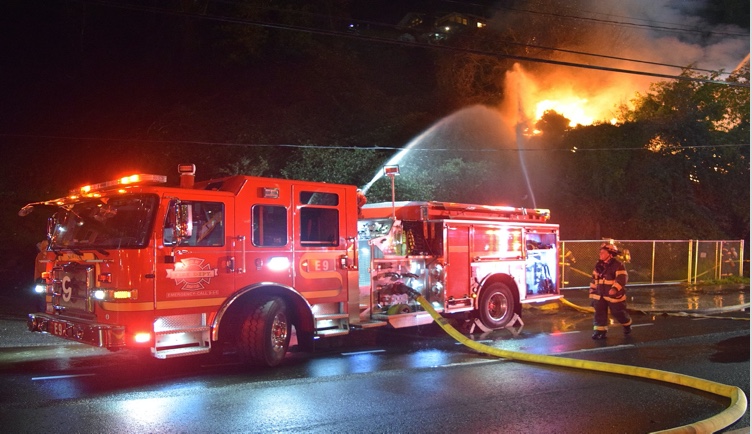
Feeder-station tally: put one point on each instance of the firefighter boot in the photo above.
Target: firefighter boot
(627, 330)
(599, 334)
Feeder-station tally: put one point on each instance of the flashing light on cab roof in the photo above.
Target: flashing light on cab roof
(126, 180)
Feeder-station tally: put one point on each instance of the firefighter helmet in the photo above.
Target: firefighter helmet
(610, 248)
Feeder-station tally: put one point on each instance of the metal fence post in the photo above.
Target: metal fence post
(562, 258)
(652, 265)
(741, 258)
(689, 263)
(697, 257)
(719, 259)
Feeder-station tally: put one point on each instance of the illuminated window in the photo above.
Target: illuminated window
(497, 242)
(540, 241)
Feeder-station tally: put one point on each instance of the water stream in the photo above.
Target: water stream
(479, 134)
(399, 155)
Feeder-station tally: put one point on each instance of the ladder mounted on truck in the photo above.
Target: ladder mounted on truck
(411, 210)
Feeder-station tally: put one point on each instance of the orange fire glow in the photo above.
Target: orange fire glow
(580, 110)
(581, 98)
(573, 109)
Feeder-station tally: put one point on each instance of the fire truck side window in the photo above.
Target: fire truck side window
(269, 225)
(311, 198)
(536, 241)
(319, 224)
(208, 224)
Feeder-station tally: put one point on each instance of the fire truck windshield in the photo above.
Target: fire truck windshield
(105, 223)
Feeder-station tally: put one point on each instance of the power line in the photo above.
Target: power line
(465, 4)
(628, 24)
(352, 148)
(678, 28)
(605, 56)
(335, 33)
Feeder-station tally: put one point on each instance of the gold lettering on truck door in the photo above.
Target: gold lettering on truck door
(320, 266)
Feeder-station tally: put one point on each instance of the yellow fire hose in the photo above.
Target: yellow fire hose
(735, 410)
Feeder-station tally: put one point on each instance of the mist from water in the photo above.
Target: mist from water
(520, 136)
(476, 128)
(480, 133)
(517, 86)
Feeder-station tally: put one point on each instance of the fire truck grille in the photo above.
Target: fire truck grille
(72, 285)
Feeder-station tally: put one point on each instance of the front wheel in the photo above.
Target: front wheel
(265, 333)
(496, 306)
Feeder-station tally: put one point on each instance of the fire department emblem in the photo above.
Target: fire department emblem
(192, 274)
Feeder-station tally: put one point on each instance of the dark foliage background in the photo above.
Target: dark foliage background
(96, 89)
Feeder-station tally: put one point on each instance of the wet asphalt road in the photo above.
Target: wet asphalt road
(416, 380)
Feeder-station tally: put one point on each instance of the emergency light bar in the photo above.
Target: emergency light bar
(126, 180)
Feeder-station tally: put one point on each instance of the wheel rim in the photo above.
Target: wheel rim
(497, 306)
(279, 332)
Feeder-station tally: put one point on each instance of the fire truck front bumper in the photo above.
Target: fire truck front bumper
(78, 330)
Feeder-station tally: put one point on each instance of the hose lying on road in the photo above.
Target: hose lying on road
(735, 410)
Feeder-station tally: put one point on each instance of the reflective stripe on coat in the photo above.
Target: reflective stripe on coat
(607, 276)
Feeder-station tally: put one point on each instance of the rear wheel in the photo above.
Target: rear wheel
(496, 306)
(265, 333)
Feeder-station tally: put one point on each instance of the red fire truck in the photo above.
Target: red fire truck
(252, 261)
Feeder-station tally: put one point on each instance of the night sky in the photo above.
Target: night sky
(92, 89)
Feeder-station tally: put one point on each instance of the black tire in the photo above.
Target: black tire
(265, 333)
(496, 306)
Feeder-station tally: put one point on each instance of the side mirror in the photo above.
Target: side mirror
(26, 210)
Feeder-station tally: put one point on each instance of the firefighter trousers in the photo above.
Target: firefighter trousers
(618, 311)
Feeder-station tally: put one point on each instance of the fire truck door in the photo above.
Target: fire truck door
(458, 262)
(322, 239)
(197, 270)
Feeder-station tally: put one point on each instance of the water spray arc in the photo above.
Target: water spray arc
(476, 136)
(399, 155)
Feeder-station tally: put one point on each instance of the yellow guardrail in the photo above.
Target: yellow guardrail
(731, 414)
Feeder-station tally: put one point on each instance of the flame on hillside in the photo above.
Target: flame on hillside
(581, 99)
(593, 95)
(572, 108)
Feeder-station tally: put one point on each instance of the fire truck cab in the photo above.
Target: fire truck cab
(251, 261)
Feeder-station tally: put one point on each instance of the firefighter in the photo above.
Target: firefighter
(607, 291)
